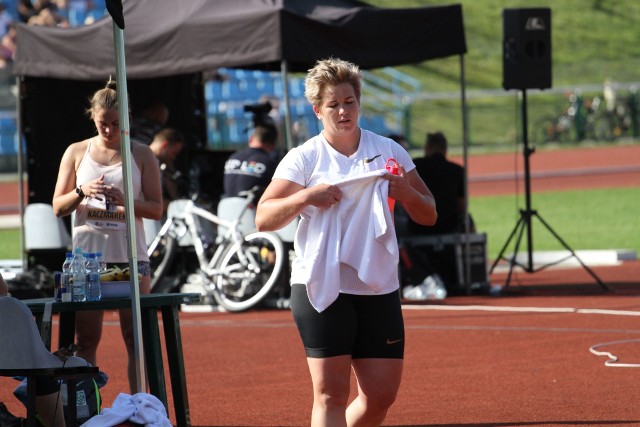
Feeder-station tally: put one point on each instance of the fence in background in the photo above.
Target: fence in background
(568, 115)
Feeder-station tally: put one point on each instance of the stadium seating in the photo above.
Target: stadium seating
(238, 87)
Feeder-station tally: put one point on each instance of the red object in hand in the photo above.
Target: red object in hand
(393, 168)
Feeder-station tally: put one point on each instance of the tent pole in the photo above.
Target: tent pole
(284, 73)
(465, 155)
(21, 206)
(125, 151)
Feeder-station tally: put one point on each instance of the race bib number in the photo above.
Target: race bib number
(105, 217)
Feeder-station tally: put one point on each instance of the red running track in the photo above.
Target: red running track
(520, 359)
(515, 360)
(491, 174)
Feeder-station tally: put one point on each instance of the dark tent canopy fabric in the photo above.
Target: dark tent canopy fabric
(170, 37)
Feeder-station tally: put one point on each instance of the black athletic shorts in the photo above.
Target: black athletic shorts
(363, 326)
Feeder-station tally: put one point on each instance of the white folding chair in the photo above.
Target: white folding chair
(151, 229)
(288, 232)
(43, 229)
(229, 208)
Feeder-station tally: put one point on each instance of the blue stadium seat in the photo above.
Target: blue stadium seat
(267, 86)
(213, 107)
(12, 8)
(8, 145)
(76, 16)
(238, 131)
(296, 87)
(277, 88)
(7, 123)
(374, 123)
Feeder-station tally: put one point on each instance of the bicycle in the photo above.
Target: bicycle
(574, 124)
(237, 265)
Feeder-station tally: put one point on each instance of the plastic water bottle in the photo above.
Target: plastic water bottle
(101, 262)
(78, 272)
(394, 169)
(65, 279)
(93, 278)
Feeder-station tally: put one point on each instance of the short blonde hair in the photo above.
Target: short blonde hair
(330, 72)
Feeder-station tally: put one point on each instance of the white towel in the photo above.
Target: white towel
(141, 408)
(356, 231)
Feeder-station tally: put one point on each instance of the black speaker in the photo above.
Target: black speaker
(526, 43)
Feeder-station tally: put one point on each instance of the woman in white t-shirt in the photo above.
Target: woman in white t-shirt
(344, 294)
(91, 185)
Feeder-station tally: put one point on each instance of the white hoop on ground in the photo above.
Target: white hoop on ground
(613, 359)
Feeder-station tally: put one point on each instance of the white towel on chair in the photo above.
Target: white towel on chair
(341, 233)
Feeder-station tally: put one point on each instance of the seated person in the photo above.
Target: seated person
(446, 180)
(48, 399)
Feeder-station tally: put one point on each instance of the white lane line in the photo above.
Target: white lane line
(522, 309)
(612, 312)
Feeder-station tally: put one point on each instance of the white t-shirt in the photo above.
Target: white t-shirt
(317, 162)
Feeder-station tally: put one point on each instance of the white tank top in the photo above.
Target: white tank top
(96, 229)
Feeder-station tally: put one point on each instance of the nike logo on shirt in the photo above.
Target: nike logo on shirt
(366, 160)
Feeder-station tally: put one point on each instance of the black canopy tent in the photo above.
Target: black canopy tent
(170, 44)
(169, 37)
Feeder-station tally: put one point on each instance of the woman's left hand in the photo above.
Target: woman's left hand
(113, 194)
(399, 186)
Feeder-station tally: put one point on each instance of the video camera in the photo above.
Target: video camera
(260, 112)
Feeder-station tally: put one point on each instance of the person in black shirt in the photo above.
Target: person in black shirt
(253, 165)
(446, 180)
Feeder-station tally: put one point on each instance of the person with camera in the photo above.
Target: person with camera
(254, 165)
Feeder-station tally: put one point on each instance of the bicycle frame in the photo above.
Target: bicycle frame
(182, 216)
(244, 265)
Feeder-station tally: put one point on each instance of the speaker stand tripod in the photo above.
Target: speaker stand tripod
(526, 216)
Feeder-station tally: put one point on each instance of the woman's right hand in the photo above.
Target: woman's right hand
(323, 195)
(283, 200)
(94, 188)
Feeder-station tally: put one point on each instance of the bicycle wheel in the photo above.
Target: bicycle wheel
(248, 271)
(603, 128)
(161, 260)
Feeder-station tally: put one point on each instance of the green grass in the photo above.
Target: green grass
(586, 50)
(10, 247)
(584, 219)
(585, 47)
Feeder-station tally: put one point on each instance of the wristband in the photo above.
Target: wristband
(79, 191)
